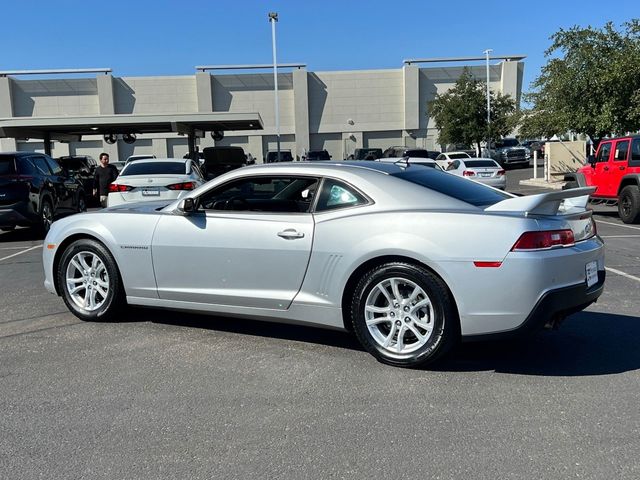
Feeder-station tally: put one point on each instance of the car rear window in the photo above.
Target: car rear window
(154, 168)
(453, 186)
(458, 155)
(72, 164)
(480, 163)
(7, 165)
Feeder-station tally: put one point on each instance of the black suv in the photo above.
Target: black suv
(83, 167)
(315, 155)
(393, 152)
(34, 190)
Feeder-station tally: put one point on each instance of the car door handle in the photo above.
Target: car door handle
(290, 234)
(621, 168)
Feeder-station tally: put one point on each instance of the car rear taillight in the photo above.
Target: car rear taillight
(114, 187)
(543, 240)
(468, 173)
(500, 172)
(182, 186)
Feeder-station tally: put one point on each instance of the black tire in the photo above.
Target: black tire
(445, 328)
(82, 203)
(46, 216)
(569, 185)
(629, 204)
(113, 302)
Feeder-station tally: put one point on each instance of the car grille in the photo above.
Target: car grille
(513, 154)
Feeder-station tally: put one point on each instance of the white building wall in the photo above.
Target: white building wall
(371, 99)
(155, 95)
(52, 98)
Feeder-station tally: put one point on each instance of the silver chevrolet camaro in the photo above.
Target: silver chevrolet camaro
(408, 258)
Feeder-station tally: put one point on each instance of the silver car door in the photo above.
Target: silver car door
(233, 258)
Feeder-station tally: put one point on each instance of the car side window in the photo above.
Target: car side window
(336, 194)
(263, 194)
(54, 166)
(603, 152)
(634, 159)
(26, 167)
(441, 157)
(622, 150)
(41, 165)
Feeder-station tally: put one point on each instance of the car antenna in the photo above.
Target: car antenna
(404, 160)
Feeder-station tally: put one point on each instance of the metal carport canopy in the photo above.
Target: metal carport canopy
(73, 128)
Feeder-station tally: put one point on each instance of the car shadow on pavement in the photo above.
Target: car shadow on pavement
(588, 343)
(21, 235)
(243, 326)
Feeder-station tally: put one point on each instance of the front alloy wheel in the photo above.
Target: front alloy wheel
(89, 281)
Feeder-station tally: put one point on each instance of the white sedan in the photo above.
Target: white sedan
(155, 179)
(445, 158)
(483, 170)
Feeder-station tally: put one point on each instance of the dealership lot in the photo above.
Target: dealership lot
(174, 395)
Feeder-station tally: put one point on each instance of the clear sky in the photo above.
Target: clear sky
(170, 37)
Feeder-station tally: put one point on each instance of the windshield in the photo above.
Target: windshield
(508, 142)
(322, 155)
(417, 153)
(456, 187)
(7, 165)
(155, 168)
(480, 163)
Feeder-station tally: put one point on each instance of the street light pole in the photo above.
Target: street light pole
(273, 18)
(487, 52)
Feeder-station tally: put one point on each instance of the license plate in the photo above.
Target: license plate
(592, 273)
(150, 192)
(485, 174)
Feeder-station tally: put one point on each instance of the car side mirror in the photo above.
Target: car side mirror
(187, 206)
(591, 160)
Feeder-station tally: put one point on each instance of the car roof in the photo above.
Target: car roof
(156, 160)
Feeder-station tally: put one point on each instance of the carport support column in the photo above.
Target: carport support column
(301, 111)
(411, 90)
(47, 143)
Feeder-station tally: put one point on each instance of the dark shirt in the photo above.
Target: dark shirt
(103, 177)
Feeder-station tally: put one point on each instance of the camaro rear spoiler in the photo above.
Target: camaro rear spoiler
(564, 202)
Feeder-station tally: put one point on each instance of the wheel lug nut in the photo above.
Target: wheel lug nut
(406, 309)
(407, 319)
(392, 314)
(398, 322)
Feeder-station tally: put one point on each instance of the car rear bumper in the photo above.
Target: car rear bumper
(554, 305)
(20, 213)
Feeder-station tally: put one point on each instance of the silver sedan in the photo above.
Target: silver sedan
(410, 259)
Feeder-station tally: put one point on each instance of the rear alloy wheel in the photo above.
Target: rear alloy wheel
(46, 216)
(89, 281)
(629, 204)
(403, 315)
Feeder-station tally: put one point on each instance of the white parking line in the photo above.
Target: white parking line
(622, 274)
(619, 236)
(20, 253)
(617, 224)
(12, 248)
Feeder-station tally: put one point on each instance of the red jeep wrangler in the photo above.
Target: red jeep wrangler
(615, 172)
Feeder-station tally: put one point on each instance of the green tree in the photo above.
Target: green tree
(461, 113)
(590, 84)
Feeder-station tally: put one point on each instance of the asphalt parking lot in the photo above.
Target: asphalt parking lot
(174, 395)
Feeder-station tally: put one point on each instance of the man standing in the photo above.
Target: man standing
(105, 174)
